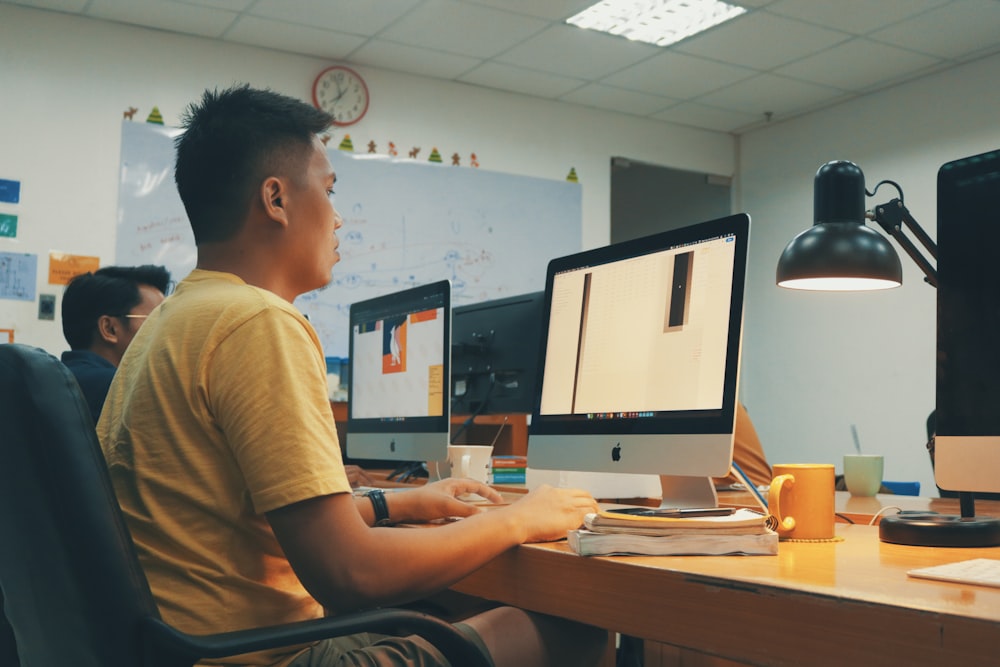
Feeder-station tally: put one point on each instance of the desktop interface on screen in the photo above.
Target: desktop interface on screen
(400, 351)
(641, 352)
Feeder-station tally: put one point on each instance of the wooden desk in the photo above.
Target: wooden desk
(815, 603)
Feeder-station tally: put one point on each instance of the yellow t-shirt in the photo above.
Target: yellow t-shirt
(219, 413)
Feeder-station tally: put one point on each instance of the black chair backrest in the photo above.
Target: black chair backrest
(74, 590)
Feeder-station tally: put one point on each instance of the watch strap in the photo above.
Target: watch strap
(381, 507)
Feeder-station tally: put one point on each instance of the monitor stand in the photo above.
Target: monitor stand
(680, 491)
(930, 529)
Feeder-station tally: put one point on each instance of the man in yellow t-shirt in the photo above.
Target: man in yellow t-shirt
(222, 446)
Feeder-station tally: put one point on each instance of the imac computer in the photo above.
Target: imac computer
(400, 352)
(494, 355)
(640, 358)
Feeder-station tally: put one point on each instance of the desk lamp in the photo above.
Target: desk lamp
(840, 253)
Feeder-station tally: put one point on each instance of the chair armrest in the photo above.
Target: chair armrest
(168, 647)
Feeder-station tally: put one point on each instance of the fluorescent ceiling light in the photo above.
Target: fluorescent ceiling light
(660, 22)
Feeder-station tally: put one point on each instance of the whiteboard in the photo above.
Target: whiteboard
(406, 223)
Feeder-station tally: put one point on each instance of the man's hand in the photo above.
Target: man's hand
(357, 477)
(547, 513)
(439, 500)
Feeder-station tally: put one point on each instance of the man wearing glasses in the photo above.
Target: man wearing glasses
(101, 313)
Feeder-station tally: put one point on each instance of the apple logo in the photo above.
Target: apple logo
(616, 452)
(392, 446)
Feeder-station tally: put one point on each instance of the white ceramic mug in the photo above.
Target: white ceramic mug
(863, 473)
(471, 461)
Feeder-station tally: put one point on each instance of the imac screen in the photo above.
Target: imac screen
(641, 351)
(967, 443)
(495, 348)
(400, 351)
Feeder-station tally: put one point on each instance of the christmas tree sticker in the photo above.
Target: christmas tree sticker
(435, 156)
(346, 144)
(571, 176)
(155, 117)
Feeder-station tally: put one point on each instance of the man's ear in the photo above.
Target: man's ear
(107, 328)
(272, 194)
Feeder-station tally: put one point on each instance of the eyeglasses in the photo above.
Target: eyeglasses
(134, 317)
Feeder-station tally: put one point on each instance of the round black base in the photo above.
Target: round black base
(928, 529)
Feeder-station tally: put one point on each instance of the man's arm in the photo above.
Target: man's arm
(346, 565)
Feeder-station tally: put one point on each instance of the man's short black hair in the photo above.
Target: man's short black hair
(233, 140)
(112, 290)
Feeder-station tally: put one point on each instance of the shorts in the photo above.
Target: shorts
(373, 650)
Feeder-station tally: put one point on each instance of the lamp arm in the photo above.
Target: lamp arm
(891, 217)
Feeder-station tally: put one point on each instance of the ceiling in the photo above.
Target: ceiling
(780, 59)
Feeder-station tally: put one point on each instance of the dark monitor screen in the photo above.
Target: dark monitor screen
(641, 351)
(967, 444)
(399, 379)
(494, 359)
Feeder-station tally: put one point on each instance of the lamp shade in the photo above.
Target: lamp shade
(839, 252)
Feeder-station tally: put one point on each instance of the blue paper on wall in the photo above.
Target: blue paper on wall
(10, 191)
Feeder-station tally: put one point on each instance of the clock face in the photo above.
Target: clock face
(342, 93)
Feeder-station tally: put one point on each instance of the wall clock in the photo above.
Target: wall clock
(342, 93)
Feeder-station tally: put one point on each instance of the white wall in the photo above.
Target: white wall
(65, 81)
(816, 363)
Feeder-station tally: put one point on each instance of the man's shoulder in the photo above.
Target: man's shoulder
(226, 289)
(86, 360)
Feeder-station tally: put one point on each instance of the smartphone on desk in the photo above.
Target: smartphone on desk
(675, 512)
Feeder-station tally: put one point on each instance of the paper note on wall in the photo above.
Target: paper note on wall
(18, 274)
(64, 266)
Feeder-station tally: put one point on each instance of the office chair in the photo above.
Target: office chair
(73, 589)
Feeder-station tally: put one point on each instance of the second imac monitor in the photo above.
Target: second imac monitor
(400, 352)
(495, 355)
(641, 354)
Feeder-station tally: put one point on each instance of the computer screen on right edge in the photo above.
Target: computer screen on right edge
(641, 354)
(967, 444)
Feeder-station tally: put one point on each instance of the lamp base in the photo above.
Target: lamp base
(929, 529)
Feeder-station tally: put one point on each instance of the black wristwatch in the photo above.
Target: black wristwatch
(380, 506)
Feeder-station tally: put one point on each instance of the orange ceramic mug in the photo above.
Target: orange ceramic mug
(801, 498)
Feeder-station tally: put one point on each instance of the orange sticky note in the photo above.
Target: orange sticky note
(64, 266)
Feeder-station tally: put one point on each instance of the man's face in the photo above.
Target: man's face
(150, 299)
(314, 223)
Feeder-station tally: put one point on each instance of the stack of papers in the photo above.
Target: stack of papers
(744, 532)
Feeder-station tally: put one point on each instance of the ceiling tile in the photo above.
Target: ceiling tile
(188, 19)
(854, 16)
(73, 6)
(465, 29)
(678, 75)
(761, 41)
(770, 93)
(553, 10)
(697, 115)
(572, 51)
(230, 5)
(617, 99)
(858, 65)
(507, 77)
(784, 56)
(953, 31)
(360, 18)
(402, 58)
(294, 38)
